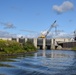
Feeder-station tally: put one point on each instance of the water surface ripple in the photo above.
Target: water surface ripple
(44, 62)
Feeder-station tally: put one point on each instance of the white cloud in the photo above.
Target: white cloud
(4, 34)
(65, 6)
(44, 32)
(64, 35)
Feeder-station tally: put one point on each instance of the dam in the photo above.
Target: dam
(47, 43)
(44, 43)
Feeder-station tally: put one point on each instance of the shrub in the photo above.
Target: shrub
(10, 46)
(15, 47)
(29, 46)
(74, 48)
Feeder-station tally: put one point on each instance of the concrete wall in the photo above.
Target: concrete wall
(62, 39)
(68, 44)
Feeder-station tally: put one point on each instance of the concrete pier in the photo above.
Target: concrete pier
(35, 42)
(52, 44)
(44, 45)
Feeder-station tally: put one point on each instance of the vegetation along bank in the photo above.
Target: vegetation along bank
(13, 47)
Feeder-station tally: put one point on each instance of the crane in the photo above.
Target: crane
(44, 36)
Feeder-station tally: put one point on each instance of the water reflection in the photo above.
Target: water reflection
(54, 54)
(35, 55)
(42, 53)
(44, 62)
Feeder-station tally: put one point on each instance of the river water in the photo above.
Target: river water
(44, 62)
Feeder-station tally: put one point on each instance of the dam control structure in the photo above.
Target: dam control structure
(44, 43)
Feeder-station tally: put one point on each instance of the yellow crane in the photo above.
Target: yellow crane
(44, 36)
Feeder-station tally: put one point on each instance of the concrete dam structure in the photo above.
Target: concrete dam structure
(43, 43)
(47, 43)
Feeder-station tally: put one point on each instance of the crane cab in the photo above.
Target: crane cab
(41, 37)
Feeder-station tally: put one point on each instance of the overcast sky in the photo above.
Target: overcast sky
(22, 16)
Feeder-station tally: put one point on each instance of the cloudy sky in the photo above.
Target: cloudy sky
(32, 17)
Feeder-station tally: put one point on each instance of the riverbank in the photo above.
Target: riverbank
(8, 48)
(17, 54)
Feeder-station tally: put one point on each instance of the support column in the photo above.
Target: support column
(25, 39)
(44, 45)
(52, 44)
(35, 42)
(17, 39)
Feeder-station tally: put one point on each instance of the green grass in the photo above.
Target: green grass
(13, 47)
(74, 48)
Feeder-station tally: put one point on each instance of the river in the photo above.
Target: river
(44, 62)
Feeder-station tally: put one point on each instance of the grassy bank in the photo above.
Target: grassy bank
(74, 48)
(13, 47)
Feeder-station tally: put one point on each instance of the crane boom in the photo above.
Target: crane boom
(50, 28)
(42, 35)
